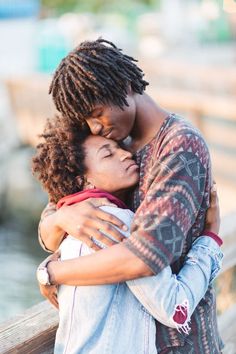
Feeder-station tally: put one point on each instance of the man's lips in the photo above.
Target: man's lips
(107, 133)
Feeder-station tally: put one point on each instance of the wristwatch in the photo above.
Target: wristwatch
(43, 275)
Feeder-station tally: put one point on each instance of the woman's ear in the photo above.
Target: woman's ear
(87, 184)
(83, 183)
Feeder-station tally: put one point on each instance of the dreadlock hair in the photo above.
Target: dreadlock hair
(59, 160)
(95, 72)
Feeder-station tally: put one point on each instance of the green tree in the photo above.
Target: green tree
(61, 6)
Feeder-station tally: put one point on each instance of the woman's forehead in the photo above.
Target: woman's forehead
(97, 142)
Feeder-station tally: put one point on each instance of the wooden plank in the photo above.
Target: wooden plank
(220, 132)
(223, 164)
(200, 103)
(221, 138)
(33, 332)
(31, 105)
(184, 74)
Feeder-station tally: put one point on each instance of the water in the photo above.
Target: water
(20, 255)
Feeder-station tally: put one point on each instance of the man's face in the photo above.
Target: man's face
(108, 166)
(111, 121)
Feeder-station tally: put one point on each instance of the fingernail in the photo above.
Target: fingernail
(125, 227)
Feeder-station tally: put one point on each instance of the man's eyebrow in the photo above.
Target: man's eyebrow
(89, 113)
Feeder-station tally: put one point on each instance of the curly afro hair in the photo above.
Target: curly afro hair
(59, 160)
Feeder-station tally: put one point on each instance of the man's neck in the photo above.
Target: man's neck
(148, 121)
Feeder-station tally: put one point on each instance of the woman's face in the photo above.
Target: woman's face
(108, 166)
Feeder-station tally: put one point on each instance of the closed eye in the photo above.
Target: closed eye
(108, 155)
(97, 114)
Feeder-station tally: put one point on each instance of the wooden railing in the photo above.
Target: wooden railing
(205, 94)
(214, 116)
(32, 332)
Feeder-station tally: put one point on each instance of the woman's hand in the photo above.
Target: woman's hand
(86, 221)
(212, 221)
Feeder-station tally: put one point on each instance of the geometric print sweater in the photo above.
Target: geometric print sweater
(170, 203)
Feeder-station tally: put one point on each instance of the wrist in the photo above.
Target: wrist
(43, 276)
(212, 227)
(51, 272)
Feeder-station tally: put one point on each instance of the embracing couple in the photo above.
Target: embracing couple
(129, 186)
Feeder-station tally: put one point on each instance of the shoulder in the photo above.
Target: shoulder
(180, 136)
(179, 127)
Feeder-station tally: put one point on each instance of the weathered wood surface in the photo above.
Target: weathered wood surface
(33, 332)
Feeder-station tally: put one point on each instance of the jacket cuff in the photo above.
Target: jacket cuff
(215, 237)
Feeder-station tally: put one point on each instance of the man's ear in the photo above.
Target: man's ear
(129, 90)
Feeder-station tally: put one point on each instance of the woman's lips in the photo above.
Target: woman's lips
(132, 166)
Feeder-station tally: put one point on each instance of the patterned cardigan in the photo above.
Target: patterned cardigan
(170, 204)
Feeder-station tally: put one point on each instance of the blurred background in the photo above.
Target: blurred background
(187, 50)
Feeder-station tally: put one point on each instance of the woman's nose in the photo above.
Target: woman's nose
(94, 126)
(125, 155)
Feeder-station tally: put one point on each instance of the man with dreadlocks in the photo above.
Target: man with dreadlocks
(98, 85)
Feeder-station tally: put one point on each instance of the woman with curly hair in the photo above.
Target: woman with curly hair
(72, 166)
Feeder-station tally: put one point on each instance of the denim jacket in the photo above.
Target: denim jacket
(120, 318)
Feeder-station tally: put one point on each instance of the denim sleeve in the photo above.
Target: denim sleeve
(171, 299)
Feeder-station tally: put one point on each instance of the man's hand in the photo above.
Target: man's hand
(212, 221)
(86, 221)
(50, 291)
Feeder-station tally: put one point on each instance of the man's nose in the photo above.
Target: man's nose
(95, 127)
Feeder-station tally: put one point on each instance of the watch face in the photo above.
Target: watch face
(42, 276)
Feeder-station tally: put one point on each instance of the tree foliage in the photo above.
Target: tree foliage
(96, 5)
